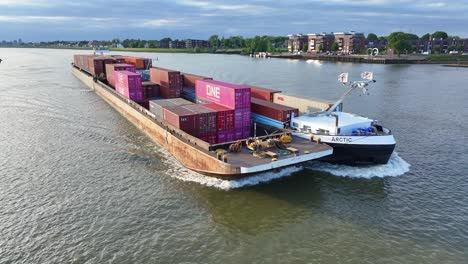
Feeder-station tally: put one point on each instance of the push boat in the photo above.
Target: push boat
(355, 139)
(252, 154)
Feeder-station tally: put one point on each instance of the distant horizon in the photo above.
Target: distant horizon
(52, 20)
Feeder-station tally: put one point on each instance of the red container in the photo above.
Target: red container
(262, 93)
(167, 92)
(128, 84)
(210, 138)
(206, 121)
(139, 63)
(275, 111)
(96, 65)
(224, 116)
(166, 77)
(110, 68)
(190, 79)
(181, 118)
(150, 90)
(227, 94)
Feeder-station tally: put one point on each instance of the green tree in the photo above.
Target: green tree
(460, 47)
(335, 46)
(426, 36)
(439, 35)
(400, 42)
(320, 47)
(372, 37)
(382, 38)
(305, 48)
(214, 41)
(452, 47)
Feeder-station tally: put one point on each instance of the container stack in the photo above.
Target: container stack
(262, 93)
(188, 82)
(139, 63)
(111, 68)
(170, 82)
(150, 90)
(128, 84)
(232, 96)
(271, 113)
(224, 122)
(157, 106)
(206, 123)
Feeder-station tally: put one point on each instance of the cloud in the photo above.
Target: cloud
(244, 8)
(155, 23)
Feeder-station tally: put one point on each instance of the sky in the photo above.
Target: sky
(47, 20)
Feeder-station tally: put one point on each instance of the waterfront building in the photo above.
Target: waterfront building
(320, 40)
(297, 42)
(350, 42)
(196, 43)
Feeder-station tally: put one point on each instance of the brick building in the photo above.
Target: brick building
(196, 43)
(320, 39)
(297, 42)
(350, 42)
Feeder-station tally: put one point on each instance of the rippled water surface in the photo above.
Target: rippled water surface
(80, 184)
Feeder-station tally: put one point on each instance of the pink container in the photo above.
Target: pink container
(227, 94)
(128, 84)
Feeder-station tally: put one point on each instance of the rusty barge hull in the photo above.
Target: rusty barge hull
(191, 152)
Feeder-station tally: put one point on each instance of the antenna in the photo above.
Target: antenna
(368, 77)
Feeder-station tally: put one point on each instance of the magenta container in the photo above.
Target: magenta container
(246, 118)
(222, 136)
(238, 115)
(227, 94)
(246, 132)
(230, 135)
(128, 84)
(238, 134)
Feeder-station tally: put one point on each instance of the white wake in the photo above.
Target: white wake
(396, 166)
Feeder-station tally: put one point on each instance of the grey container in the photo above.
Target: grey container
(156, 106)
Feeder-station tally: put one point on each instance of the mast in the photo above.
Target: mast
(343, 78)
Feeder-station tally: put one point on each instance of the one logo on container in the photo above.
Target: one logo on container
(212, 91)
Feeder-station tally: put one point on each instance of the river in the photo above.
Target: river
(80, 184)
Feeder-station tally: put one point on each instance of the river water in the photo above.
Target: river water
(80, 184)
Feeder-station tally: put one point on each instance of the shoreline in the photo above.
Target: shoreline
(441, 59)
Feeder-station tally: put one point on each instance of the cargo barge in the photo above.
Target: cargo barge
(188, 132)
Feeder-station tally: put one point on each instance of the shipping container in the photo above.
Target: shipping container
(182, 118)
(139, 63)
(150, 90)
(110, 68)
(156, 106)
(262, 93)
(227, 94)
(275, 111)
(206, 119)
(230, 135)
(170, 82)
(97, 64)
(304, 104)
(210, 138)
(246, 132)
(128, 84)
(224, 116)
(190, 79)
